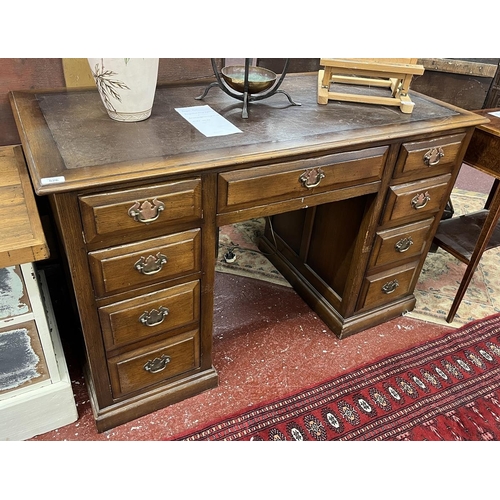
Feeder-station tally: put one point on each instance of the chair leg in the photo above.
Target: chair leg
(482, 241)
(491, 194)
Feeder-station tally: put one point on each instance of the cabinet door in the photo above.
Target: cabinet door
(22, 360)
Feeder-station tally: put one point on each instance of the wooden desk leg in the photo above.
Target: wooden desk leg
(483, 239)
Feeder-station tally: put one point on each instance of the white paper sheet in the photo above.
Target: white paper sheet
(495, 113)
(207, 121)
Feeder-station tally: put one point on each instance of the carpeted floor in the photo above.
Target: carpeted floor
(442, 273)
(447, 389)
(438, 281)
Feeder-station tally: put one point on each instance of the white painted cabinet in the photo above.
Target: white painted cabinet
(35, 387)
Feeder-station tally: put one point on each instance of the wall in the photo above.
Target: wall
(466, 83)
(22, 74)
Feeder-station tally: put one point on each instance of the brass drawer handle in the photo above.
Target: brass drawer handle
(312, 177)
(433, 156)
(151, 265)
(147, 212)
(403, 244)
(420, 200)
(390, 286)
(158, 364)
(155, 317)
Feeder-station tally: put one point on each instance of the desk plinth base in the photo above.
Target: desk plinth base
(364, 320)
(341, 326)
(143, 404)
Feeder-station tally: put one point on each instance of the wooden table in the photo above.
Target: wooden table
(23, 239)
(354, 192)
(467, 237)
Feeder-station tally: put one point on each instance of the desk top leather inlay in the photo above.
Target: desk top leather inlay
(76, 131)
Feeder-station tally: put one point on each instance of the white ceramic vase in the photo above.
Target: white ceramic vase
(126, 86)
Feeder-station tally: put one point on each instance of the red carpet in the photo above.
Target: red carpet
(444, 390)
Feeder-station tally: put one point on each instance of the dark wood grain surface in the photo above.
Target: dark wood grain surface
(71, 135)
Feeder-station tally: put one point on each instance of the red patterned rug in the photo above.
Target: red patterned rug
(444, 390)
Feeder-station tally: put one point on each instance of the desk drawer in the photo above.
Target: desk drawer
(385, 287)
(140, 264)
(152, 314)
(154, 364)
(296, 179)
(423, 156)
(135, 211)
(416, 199)
(393, 245)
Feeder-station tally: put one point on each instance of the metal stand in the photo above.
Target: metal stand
(245, 96)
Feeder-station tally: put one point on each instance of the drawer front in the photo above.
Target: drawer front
(393, 245)
(261, 185)
(140, 264)
(383, 288)
(142, 368)
(135, 211)
(424, 156)
(140, 318)
(416, 199)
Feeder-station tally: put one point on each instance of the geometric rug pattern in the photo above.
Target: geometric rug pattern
(447, 389)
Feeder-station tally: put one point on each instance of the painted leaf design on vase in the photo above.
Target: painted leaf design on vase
(107, 85)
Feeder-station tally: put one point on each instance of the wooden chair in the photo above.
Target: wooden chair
(468, 236)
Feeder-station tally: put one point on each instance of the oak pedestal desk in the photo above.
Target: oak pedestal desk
(354, 191)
